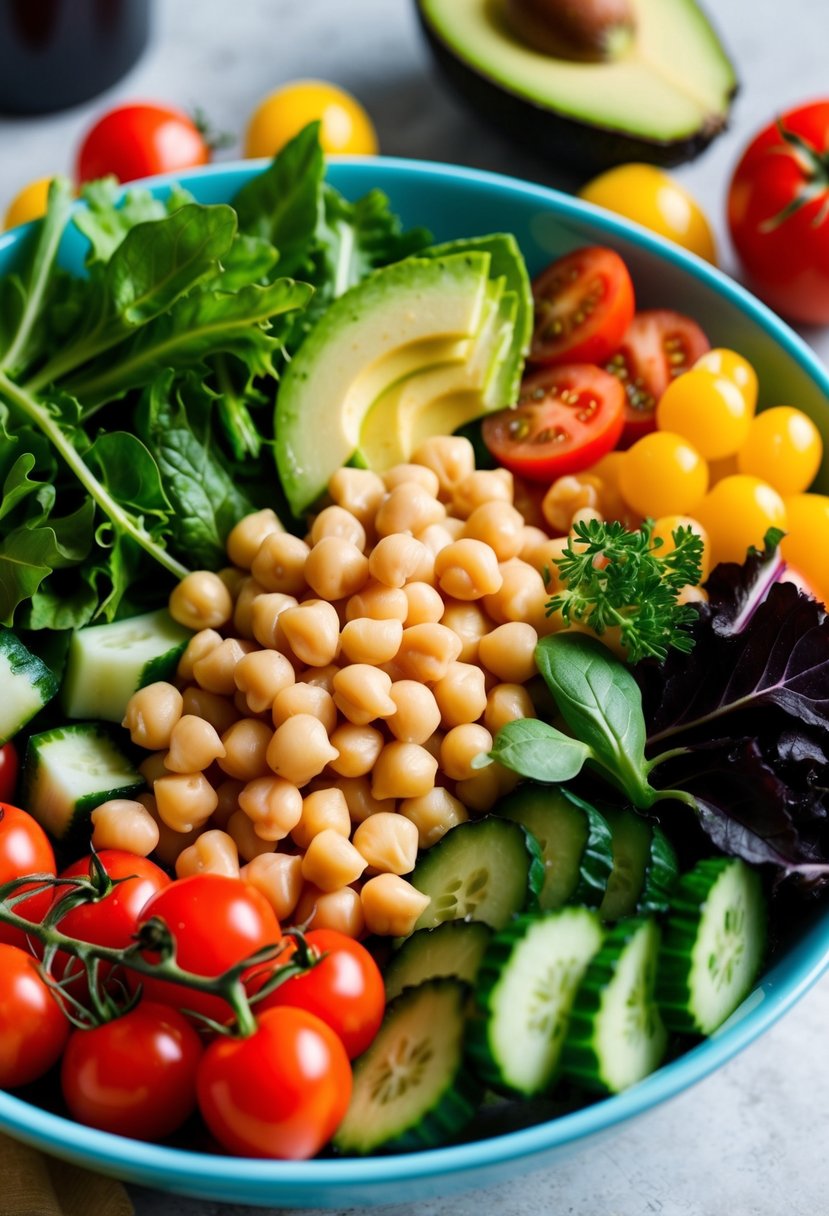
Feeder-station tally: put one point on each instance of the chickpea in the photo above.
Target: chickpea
(358, 491)
(361, 693)
(359, 799)
(213, 852)
(336, 568)
(201, 601)
(388, 842)
(399, 474)
(450, 457)
(151, 714)
(521, 597)
(455, 526)
(397, 559)
(265, 612)
(425, 604)
(305, 698)
(506, 703)
(233, 578)
(531, 544)
(121, 823)
(426, 652)
(566, 495)
(417, 716)
(408, 508)
(480, 487)
(274, 806)
(403, 770)
(319, 677)
(331, 861)
(433, 814)
(325, 808)
(170, 843)
(246, 745)
(546, 559)
(215, 672)
(378, 602)
(277, 876)
(461, 694)
(241, 829)
(336, 521)
(152, 768)
(185, 800)
(509, 652)
(391, 905)
(340, 910)
(249, 593)
(279, 564)
(312, 630)
(300, 749)
(199, 646)
(194, 745)
(366, 641)
(358, 747)
(437, 536)
(459, 748)
(498, 525)
(261, 676)
(245, 538)
(218, 711)
(482, 790)
(468, 570)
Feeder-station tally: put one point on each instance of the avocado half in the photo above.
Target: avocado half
(665, 98)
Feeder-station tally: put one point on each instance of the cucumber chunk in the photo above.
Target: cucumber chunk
(644, 867)
(525, 988)
(454, 948)
(575, 843)
(485, 869)
(71, 770)
(714, 943)
(106, 664)
(411, 1089)
(27, 685)
(616, 1035)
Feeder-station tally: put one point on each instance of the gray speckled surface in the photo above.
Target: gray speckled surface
(750, 1140)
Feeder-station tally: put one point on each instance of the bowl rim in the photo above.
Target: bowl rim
(779, 989)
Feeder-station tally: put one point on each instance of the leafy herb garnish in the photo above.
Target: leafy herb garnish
(617, 578)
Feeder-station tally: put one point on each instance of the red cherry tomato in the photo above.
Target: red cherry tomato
(140, 141)
(134, 1076)
(345, 989)
(658, 346)
(583, 305)
(216, 922)
(24, 849)
(33, 1028)
(112, 920)
(778, 212)
(566, 419)
(280, 1093)
(9, 768)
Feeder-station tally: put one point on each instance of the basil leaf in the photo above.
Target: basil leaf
(536, 750)
(601, 703)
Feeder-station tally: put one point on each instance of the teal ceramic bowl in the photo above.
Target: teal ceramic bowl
(453, 203)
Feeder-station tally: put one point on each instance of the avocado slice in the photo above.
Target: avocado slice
(662, 101)
(405, 317)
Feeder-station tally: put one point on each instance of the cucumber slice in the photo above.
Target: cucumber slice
(485, 869)
(525, 988)
(575, 843)
(616, 1035)
(644, 866)
(454, 948)
(411, 1089)
(71, 770)
(27, 685)
(714, 943)
(106, 664)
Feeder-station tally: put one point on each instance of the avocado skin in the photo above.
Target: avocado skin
(583, 146)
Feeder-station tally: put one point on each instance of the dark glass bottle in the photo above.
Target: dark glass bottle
(56, 53)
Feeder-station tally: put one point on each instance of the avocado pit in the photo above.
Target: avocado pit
(586, 31)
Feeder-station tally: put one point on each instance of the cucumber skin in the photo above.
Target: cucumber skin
(673, 990)
(400, 963)
(23, 662)
(164, 667)
(579, 1059)
(661, 875)
(597, 859)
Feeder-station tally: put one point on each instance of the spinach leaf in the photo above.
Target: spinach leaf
(536, 750)
(107, 217)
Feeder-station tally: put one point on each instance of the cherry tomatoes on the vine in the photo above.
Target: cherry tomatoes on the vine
(24, 849)
(134, 141)
(33, 1027)
(583, 305)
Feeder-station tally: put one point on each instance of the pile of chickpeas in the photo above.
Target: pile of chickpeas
(331, 703)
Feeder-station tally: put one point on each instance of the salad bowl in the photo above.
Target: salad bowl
(455, 203)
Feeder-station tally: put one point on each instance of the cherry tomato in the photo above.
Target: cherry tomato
(583, 306)
(778, 212)
(24, 849)
(723, 362)
(658, 346)
(737, 513)
(709, 410)
(140, 141)
(345, 989)
(134, 1076)
(784, 448)
(566, 419)
(345, 125)
(215, 921)
(666, 525)
(280, 1093)
(649, 197)
(663, 474)
(33, 1028)
(28, 204)
(806, 542)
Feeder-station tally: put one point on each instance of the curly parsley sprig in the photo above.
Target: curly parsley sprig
(615, 577)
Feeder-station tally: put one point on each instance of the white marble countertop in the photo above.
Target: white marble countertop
(751, 1139)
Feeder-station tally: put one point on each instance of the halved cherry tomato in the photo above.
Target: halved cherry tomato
(134, 141)
(9, 768)
(658, 346)
(583, 306)
(24, 849)
(566, 419)
(33, 1028)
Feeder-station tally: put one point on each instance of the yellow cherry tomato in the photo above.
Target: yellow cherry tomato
(806, 543)
(29, 204)
(345, 125)
(666, 525)
(663, 474)
(737, 513)
(651, 198)
(784, 447)
(722, 362)
(708, 410)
